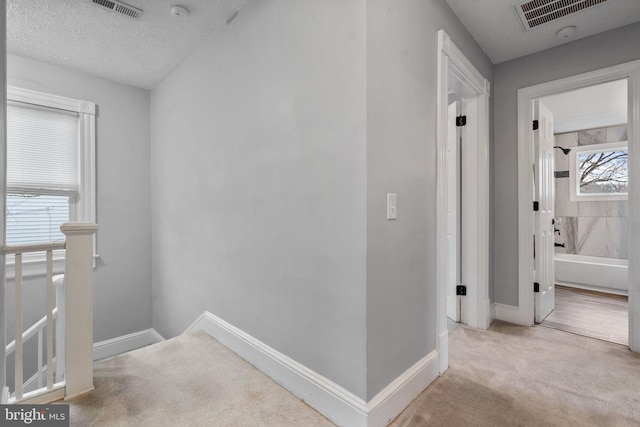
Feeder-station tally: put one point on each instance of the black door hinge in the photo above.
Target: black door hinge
(461, 290)
(461, 121)
(536, 206)
(536, 287)
(535, 125)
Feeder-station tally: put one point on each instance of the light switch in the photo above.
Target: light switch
(391, 206)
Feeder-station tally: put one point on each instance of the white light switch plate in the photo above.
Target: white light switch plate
(391, 206)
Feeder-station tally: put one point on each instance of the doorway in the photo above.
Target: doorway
(527, 152)
(589, 287)
(462, 195)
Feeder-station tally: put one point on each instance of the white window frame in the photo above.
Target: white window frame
(81, 208)
(574, 194)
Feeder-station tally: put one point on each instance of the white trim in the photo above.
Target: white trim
(506, 313)
(602, 290)
(574, 187)
(475, 185)
(395, 397)
(526, 96)
(124, 343)
(493, 312)
(52, 101)
(443, 350)
(5, 395)
(83, 207)
(333, 401)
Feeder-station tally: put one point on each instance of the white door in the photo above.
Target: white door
(544, 194)
(453, 217)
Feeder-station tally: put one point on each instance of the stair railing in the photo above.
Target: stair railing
(18, 251)
(74, 325)
(39, 329)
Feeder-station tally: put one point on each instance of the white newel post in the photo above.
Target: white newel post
(78, 283)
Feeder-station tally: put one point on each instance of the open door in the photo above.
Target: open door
(453, 217)
(544, 204)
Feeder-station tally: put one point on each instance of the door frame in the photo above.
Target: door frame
(475, 198)
(630, 71)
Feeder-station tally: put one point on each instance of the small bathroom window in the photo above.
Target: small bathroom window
(599, 173)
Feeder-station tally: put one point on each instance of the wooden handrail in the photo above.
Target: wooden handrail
(39, 247)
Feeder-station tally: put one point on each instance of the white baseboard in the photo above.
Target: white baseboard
(5, 395)
(333, 401)
(122, 344)
(484, 317)
(509, 313)
(392, 400)
(492, 315)
(444, 351)
(602, 289)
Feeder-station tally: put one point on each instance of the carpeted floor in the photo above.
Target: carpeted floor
(518, 376)
(191, 380)
(506, 376)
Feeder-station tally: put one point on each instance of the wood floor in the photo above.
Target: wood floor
(592, 314)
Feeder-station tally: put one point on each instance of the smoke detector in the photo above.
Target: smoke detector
(566, 32)
(119, 7)
(533, 13)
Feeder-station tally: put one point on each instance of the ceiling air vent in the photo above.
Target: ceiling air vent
(534, 13)
(119, 7)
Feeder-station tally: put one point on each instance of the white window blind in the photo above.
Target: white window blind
(42, 150)
(51, 147)
(42, 172)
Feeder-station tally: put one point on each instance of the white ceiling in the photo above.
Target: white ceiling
(79, 35)
(497, 29)
(590, 107)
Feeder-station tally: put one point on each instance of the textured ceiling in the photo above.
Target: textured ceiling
(497, 29)
(80, 36)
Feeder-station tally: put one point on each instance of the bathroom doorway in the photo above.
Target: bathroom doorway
(524, 314)
(590, 221)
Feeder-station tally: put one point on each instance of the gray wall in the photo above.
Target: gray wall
(259, 184)
(592, 53)
(286, 131)
(122, 280)
(401, 158)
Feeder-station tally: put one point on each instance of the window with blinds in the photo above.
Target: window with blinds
(42, 172)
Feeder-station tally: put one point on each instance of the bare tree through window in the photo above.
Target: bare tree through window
(603, 171)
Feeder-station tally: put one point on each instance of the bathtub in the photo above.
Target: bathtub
(589, 272)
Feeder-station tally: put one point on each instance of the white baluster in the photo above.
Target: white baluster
(39, 358)
(49, 319)
(18, 301)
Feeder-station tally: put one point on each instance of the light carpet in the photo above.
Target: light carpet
(506, 376)
(190, 380)
(519, 376)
